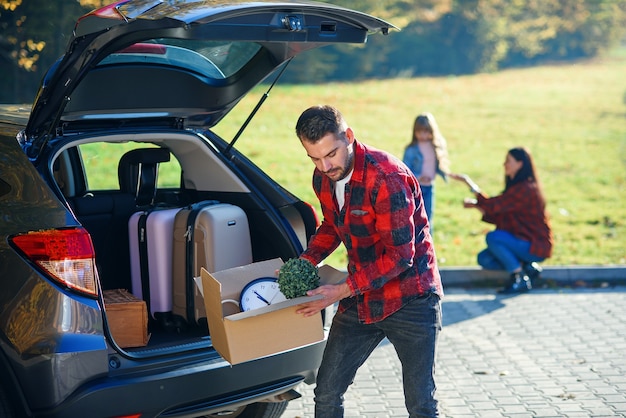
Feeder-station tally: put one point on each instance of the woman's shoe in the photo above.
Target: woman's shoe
(520, 283)
(532, 270)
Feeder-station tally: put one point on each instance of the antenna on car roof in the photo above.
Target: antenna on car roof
(256, 108)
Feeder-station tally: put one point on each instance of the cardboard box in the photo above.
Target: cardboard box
(259, 332)
(127, 317)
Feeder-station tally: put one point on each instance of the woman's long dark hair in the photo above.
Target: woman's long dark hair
(526, 172)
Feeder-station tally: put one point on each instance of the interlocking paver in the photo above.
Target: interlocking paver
(547, 353)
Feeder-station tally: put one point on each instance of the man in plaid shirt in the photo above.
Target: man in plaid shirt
(372, 203)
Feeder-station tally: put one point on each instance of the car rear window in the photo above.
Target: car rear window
(213, 59)
(100, 161)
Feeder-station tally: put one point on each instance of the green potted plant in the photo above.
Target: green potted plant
(297, 276)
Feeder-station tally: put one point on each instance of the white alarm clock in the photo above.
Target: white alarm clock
(260, 292)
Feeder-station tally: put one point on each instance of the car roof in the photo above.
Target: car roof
(191, 60)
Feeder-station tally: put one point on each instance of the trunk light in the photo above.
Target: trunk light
(144, 48)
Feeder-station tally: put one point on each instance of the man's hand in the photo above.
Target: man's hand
(332, 293)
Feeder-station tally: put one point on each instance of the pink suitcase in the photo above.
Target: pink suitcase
(151, 243)
(208, 234)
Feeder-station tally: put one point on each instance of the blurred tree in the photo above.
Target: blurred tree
(547, 30)
(375, 59)
(33, 34)
(487, 35)
(437, 37)
(313, 67)
(587, 27)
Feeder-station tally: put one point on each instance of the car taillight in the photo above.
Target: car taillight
(67, 255)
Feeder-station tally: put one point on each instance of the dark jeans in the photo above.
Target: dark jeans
(413, 331)
(428, 194)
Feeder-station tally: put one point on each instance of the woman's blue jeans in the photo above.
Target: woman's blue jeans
(505, 252)
(413, 331)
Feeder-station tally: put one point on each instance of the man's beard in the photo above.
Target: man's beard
(345, 170)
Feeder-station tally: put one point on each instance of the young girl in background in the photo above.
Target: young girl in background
(426, 156)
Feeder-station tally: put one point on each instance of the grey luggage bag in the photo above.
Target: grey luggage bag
(207, 234)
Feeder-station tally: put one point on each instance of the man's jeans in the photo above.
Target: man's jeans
(505, 252)
(413, 331)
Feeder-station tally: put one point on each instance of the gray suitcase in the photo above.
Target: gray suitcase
(207, 234)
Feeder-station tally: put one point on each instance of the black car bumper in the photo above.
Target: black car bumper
(196, 389)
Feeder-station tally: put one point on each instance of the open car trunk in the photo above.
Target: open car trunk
(139, 224)
(124, 120)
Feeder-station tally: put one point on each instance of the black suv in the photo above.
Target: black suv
(123, 122)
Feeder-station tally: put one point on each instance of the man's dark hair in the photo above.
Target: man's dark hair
(318, 121)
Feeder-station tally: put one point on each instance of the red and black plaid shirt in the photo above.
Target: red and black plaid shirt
(383, 225)
(520, 210)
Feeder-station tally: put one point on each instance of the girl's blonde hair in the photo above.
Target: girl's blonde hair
(426, 121)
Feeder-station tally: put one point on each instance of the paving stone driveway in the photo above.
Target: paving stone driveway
(548, 353)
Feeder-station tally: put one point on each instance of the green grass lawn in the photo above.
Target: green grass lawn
(572, 117)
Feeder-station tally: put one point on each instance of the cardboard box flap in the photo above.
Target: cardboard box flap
(330, 275)
(232, 278)
(211, 291)
(215, 296)
(273, 307)
(221, 280)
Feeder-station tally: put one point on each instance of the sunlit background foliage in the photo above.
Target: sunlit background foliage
(436, 37)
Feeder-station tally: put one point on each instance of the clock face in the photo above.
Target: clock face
(260, 292)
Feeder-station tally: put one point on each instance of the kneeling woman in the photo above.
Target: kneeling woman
(522, 237)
